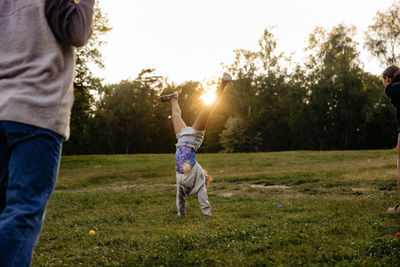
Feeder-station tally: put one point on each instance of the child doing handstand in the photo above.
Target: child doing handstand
(191, 178)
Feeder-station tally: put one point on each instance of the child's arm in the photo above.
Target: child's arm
(70, 22)
(203, 200)
(180, 201)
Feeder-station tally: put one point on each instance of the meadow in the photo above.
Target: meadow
(310, 208)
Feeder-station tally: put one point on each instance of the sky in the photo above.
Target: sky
(188, 40)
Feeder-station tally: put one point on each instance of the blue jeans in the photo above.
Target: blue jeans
(29, 163)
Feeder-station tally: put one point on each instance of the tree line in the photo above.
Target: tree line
(326, 102)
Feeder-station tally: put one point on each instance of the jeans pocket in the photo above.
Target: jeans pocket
(16, 130)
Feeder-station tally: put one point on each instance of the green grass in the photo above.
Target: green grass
(333, 211)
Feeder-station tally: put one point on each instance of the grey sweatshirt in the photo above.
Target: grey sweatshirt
(37, 59)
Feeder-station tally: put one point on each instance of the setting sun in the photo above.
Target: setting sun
(209, 96)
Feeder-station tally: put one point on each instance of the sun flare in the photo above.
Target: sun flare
(209, 96)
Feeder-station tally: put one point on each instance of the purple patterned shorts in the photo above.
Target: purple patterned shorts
(185, 159)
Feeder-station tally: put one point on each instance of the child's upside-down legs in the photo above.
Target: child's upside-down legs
(177, 121)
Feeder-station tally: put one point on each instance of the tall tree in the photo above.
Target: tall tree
(383, 36)
(336, 99)
(258, 94)
(379, 128)
(85, 83)
(130, 119)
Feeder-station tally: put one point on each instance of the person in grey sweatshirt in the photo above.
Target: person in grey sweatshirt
(38, 39)
(191, 178)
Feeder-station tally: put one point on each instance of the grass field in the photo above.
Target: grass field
(333, 211)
